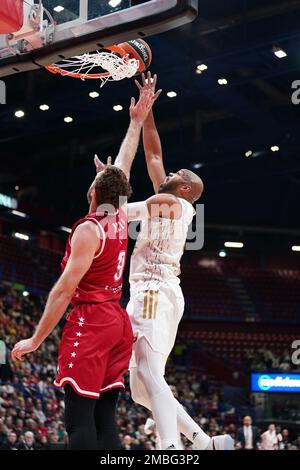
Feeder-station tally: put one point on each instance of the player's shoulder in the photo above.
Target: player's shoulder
(87, 228)
(188, 210)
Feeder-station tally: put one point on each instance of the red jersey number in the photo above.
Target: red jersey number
(121, 265)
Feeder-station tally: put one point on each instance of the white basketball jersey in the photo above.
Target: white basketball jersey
(159, 248)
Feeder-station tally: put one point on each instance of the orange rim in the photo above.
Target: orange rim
(53, 68)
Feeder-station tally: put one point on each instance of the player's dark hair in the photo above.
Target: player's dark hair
(111, 185)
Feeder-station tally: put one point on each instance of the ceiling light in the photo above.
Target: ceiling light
(172, 94)
(94, 94)
(197, 165)
(296, 248)
(21, 236)
(68, 119)
(249, 153)
(118, 107)
(17, 188)
(222, 254)
(234, 244)
(222, 81)
(44, 107)
(58, 8)
(25, 293)
(280, 53)
(18, 213)
(114, 3)
(202, 67)
(275, 148)
(65, 229)
(19, 113)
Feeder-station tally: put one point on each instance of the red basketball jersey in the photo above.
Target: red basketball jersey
(103, 281)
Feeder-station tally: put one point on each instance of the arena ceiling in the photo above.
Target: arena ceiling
(207, 127)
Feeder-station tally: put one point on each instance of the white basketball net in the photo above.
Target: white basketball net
(82, 66)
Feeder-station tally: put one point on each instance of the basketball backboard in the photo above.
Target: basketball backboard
(57, 29)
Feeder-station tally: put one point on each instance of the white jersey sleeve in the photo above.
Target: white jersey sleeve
(188, 211)
(137, 211)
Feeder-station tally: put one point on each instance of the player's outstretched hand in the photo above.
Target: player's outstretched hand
(148, 83)
(100, 166)
(23, 347)
(140, 110)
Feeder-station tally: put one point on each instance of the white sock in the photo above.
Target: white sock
(188, 427)
(164, 413)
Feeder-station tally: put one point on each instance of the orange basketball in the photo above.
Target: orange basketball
(138, 49)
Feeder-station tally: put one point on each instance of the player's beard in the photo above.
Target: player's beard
(169, 187)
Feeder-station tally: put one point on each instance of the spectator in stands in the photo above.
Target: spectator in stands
(11, 443)
(127, 443)
(247, 436)
(269, 439)
(28, 442)
(296, 443)
(149, 445)
(284, 442)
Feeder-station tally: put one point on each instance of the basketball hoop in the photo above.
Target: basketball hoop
(111, 64)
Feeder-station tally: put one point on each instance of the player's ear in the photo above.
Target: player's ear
(186, 188)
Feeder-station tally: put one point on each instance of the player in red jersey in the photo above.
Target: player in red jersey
(97, 339)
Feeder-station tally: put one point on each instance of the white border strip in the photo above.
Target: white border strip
(83, 392)
(112, 385)
(101, 229)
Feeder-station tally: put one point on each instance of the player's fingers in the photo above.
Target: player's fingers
(138, 84)
(157, 94)
(154, 81)
(97, 160)
(132, 103)
(143, 79)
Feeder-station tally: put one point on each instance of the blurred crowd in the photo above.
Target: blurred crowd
(32, 410)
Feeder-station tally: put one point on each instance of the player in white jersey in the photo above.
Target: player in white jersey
(156, 302)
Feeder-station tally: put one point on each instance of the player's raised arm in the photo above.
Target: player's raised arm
(85, 243)
(138, 113)
(160, 205)
(152, 143)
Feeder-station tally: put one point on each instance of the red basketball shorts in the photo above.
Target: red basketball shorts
(95, 349)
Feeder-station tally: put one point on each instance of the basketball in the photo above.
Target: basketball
(138, 49)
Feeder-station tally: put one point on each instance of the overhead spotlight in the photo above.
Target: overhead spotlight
(151, 80)
(249, 153)
(171, 94)
(234, 245)
(25, 293)
(68, 119)
(19, 113)
(222, 254)
(275, 148)
(17, 188)
(44, 107)
(114, 3)
(18, 213)
(296, 248)
(21, 236)
(94, 94)
(118, 107)
(65, 229)
(222, 81)
(280, 53)
(197, 165)
(58, 8)
(202, 67)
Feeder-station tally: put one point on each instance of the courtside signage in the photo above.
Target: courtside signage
(8, 201)
(279, 383)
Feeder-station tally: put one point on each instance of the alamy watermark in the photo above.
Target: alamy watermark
(160, 223)
(295, 359)
(2, 92)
